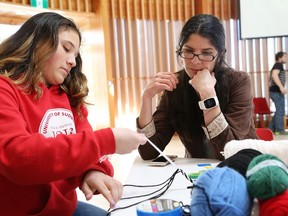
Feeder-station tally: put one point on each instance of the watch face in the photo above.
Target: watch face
(210, 103)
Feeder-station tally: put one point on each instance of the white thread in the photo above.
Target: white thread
(278, 148)
(170, 161)
(162, 153)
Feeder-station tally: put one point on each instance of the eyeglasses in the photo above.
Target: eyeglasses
(186, 54)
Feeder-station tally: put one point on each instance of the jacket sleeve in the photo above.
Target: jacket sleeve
(102, 165)
(238, 114)
(46, 159)
(162, 137)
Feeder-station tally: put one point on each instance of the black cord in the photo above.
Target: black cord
(185, 209)
(166, 185)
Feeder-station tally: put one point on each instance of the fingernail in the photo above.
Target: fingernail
(112, 202)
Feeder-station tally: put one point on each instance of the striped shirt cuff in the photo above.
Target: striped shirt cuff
(217, 126)
(149, 130)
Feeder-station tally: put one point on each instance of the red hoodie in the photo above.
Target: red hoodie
(45, 149)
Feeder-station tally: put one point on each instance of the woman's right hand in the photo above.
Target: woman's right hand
(127, 140)
(161, 81)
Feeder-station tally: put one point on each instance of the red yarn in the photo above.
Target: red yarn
(275, 206)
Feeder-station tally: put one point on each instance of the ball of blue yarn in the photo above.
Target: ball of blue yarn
(268, 181)
(222, 192)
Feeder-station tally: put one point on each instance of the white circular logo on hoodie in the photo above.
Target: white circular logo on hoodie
(57, 121)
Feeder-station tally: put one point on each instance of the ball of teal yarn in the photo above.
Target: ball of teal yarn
(269, 180)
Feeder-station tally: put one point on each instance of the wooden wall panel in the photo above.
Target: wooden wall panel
(64, 5)
(170, 9)
(138, 39)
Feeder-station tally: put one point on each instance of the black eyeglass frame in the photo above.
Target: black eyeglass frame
(199, 58)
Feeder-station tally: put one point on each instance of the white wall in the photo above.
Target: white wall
(263, 18)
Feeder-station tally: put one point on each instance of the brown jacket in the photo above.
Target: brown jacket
(237, 108)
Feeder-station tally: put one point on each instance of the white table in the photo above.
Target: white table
(143, 174)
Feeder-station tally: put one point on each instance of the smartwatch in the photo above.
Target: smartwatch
(208, 103)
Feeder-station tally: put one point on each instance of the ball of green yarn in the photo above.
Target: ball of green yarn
(268, 181)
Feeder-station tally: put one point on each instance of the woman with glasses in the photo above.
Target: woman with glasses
(207, 103)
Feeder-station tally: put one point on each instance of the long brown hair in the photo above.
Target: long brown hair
(23, 55)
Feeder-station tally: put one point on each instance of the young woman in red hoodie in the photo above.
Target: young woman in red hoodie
(47, 146)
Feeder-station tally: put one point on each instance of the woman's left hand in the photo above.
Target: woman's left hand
(204, 82)
(110, 188)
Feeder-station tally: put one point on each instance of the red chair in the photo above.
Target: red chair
(265, 134)
(261, 109)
